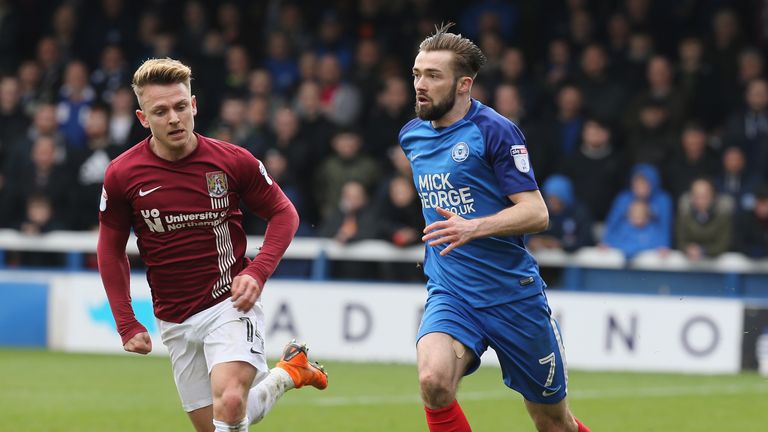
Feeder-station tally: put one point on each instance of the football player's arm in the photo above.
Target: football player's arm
(528, 215)
(115, 275)
(265, 198)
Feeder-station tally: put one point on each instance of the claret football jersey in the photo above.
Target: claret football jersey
(470, 168)
(187, 218)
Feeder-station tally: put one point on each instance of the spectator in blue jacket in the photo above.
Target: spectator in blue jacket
(645, 186)
(570, 223)
(639, 230)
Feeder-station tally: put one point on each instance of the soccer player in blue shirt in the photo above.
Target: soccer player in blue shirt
(479, 198)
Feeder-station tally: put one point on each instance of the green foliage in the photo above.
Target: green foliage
(51, 392)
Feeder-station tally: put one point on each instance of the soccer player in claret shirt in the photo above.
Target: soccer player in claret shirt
(479, 198)
(180, 192)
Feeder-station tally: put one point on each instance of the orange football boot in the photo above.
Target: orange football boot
(294, 361)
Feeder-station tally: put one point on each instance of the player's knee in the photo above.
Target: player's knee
(437, 389)
(231, 405)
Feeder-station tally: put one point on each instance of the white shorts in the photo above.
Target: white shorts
(216, 335)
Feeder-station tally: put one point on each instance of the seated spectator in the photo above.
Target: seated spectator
(41, 175)
(315, 128)
(570, 225)
(596, 169)
(75, 97)
(111, 74)
(280, 170)
(703, 227)
(651, 135)
(734, 179)
(645, 185)
(392, 110)
(347, 163)
(125, 130)
(87, 167)
(557, 137)
(637, 230)
(693, 158)
(748, 128)
(400, 220)
(353, 219)
(752, 227)
(38, 218)
(603, 95)
(339, 99)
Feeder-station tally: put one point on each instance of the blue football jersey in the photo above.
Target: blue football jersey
(469, 168)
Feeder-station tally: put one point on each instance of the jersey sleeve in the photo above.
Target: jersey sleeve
(258, 190)
(114, 208)
(507, 154)
(264, 198)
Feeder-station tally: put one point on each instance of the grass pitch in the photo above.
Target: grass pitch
(51, 392)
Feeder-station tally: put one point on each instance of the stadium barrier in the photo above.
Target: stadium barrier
(588, 269)
(356, 321)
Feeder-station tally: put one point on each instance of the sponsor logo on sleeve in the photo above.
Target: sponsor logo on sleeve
(520, 155)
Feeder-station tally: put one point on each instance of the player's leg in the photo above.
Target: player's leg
(292, 371)
(230, 384)
(449, 347)
(234, 354)
(554, 417)
(529, 346)
(190, 373)
(442, 361)
(202, 419)
(236, 338)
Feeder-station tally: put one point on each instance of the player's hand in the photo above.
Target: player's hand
(245, 292)
(455, 231)
(140, 343)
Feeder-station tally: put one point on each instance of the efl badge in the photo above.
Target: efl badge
(460, 152)
(263, 171)
(520, 155)
(103, 203)
(217, 184)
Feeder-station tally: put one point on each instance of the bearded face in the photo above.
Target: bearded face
(436, 106)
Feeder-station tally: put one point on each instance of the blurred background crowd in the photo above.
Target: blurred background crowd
(646, 121)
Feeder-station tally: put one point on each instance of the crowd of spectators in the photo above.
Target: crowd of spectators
(647, 119)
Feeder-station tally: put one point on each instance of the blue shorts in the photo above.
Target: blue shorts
(523, 333)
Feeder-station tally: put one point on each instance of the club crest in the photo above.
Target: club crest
(460, 152)
(520, 155)
(217, 184)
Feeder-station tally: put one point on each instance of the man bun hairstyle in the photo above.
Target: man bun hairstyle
(161, 71)
(468, 57)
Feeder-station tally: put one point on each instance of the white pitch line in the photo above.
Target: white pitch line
(627, 393)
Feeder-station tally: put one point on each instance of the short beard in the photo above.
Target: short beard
(438, 110)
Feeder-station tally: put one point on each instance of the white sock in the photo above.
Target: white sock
(262, 397)
(221, 426)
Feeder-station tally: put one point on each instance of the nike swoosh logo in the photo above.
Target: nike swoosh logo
(550, 393)
(145, 193)
(253, 351)
(413, 158)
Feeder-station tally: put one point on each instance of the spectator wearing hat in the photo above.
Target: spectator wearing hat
(570, 224)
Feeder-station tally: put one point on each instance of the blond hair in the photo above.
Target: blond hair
(468, 58)
(161, 71)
